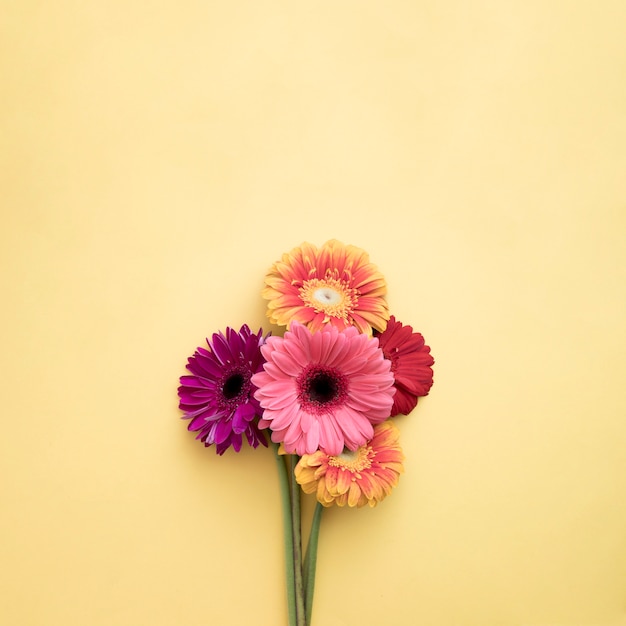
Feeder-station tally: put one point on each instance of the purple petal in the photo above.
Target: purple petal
(243, 414)
(222, 430)
(221, 348)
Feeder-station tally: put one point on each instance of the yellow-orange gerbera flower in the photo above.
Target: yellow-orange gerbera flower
(356, 478)
(333, 285)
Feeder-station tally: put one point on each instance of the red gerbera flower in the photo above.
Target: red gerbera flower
(410, 364)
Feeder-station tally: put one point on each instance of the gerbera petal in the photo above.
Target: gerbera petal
(354, 494)
(221, 348)
(295, 350)
(204, 366)
(276, 388)
(242, 415)
(361, 429)
(223, 430)
(201, 420)
(278, 403)
(344, 478)
(236, 441)
(287, 364)
(193, 381)
(313, 436)
(331, 434)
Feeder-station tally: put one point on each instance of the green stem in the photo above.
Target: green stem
(285, 497)
(310, 561)
(297, 540)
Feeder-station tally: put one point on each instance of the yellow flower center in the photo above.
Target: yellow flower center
(353, 460)
(329, 295)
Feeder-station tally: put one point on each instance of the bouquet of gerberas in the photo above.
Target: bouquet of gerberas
(325, 392)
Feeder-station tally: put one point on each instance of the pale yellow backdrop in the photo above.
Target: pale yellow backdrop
(157, 157)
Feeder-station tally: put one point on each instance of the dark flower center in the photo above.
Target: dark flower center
(321, 389)
(233, 385)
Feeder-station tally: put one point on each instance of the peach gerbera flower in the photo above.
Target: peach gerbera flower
(356, 478)
(333, 285)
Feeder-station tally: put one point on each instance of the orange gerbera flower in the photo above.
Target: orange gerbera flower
(356, 478)
(333, 285)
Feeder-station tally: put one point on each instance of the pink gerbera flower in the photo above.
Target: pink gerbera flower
(323, 389)
(410, 363)
(218, 397)
(356, 478)
(335, 284)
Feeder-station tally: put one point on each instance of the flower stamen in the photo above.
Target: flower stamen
(353, 460)
(333, 297)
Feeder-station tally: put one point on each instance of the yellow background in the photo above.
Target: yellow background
(157, 157)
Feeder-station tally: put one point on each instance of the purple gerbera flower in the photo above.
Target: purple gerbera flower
(218, 397)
